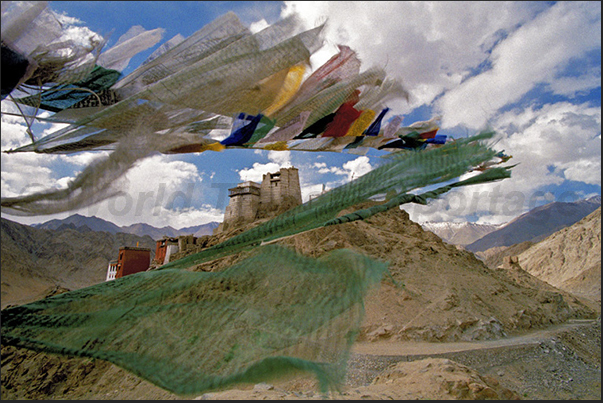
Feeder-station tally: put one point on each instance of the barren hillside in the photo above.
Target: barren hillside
(438, 295)
(444, 294)
(36, 261)
(495, 256)
(438, 292)
(570, 259)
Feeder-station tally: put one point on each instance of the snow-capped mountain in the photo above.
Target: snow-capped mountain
(460, 233)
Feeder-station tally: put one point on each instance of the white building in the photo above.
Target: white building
(111, 270)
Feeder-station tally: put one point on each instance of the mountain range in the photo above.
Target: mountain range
(533, 226)
(37, 262)
(435, 292)
(460, 233)
(74, 252)
(84, 224)
(70, 253)
(537, 224)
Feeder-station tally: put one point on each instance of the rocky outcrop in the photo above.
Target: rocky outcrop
(433, 378)
(495, 257)
(436, 292)
(570, 259)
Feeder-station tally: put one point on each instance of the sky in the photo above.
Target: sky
(529, 70)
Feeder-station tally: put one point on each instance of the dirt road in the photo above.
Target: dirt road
(560, 362)
(425, 348)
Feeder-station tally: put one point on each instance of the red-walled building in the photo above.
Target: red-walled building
(165, 247)
(132, 260)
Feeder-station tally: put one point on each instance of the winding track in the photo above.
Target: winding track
(410, 348)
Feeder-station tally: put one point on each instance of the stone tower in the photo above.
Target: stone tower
(243, 205)
(249, 201)
(280, 189)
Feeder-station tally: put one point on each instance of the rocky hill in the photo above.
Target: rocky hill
(537, 224)
(569, 259)
(495, 256)
(443, 293)
(439, 294)
(36, 262)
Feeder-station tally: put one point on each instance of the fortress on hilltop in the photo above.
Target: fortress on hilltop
(249, 200)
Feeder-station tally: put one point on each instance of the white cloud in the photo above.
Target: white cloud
(333, 170)
(470, 60)
(315, 176)
(83, 159)
(550, 144)
(13, 134)
(583, 170)
(22, 173)
(279, 159)
(81, 36)
(563, 136)
(159, 191)
(494, 203)
(283, 158)
(352, 169)
(429, 46)
(357, 167)
(160, 179)
(162, 169)
(571, 86)
(311, 191)
(258, 170)
(258, 26)
(18, 183)
(66, 20)
(535, 53)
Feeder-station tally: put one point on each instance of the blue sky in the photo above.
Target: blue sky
(530, 70)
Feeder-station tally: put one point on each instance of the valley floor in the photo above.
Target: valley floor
(561, 362)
